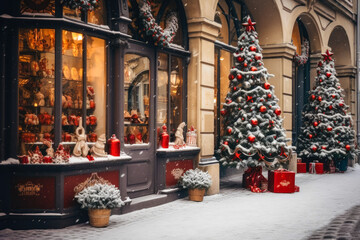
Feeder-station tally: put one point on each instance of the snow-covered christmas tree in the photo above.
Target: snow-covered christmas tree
(252, 122)
(327, 132)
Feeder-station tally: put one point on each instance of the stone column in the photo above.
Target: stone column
(278, 61)
(346, 76)
(202, 34)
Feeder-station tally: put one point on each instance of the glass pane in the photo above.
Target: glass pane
(38, 6)
(98, 16)
(36, 88)
(162, 91)
(96, 88)
(176, 95)
(72, 75)
(226, 62)
(72, 13)
(136, 99)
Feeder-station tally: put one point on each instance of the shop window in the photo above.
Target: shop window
(36, 87)
(72, 13)
(136, 99)
(83, 96)
(170, 95)
(37, 6)
(225, 62)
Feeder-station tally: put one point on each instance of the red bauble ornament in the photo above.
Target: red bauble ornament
(228, 101)
(252, 48)
(315, 124)
(310, 136)
(245, 64)
(341, 104)
(328, 74)
(333, 96)
(262, 109)
(314, 148)
(235, 88)
(226, 143)
(114, 146)
(329, 129)
(330, 107)
(239, 77)
(254, 122)
(223, 112)
(251, 138)
(269, 95)
(319, 98)
(277, 111)
(248, 98)
(231, 77)
(258, 57)
(323, 147)
(229, 130)
(313, 97)
(253, 69)
(348, 147)
(266, 85)
(240, 59)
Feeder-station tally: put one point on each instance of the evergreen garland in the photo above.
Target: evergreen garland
(82, 5)
(162, 37)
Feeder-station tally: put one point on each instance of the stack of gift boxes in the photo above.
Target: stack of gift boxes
(314, 167)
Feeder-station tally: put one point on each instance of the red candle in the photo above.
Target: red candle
(165, 138)
(114, 146)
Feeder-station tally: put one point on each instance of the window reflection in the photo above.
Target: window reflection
(98, 15)
(136, 98)
(176, 95)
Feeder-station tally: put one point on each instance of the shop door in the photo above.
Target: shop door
(139, 118)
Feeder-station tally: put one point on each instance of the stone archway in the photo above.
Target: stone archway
(340, 46)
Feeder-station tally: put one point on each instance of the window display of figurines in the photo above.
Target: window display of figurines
(36, 88)
(72, 85)
(136, 98)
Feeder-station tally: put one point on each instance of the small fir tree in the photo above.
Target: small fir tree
(252, 122)
(327, 132)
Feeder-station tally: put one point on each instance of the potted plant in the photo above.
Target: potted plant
(196, 181)
(99, 199)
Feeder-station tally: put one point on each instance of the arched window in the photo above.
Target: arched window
(228, 14)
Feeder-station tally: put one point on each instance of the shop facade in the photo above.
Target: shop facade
(61, 68)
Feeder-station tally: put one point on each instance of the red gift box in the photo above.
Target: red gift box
(317, 168)
(301, 167)
(281, 181)
(299, 160)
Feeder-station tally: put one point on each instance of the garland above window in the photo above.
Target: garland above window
(162, 37)
(303, 58)
(82, 5)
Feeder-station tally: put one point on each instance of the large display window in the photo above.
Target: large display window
(83, 96)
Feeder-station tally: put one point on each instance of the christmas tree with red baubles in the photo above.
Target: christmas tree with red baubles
(252, 122)
(327, 133)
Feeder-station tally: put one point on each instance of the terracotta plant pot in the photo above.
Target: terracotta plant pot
(99, 217)
(196, 194)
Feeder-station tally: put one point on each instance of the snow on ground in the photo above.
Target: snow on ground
(235, 213)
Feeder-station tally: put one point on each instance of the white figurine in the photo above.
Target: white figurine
(81, 148)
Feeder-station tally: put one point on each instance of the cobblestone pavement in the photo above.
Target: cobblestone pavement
(343, 227)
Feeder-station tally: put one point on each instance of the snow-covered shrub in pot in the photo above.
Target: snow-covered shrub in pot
(197, 182)
(99, 199)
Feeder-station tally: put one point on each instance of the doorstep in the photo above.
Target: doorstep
(153, 200)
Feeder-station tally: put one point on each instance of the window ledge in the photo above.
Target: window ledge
(172, 152)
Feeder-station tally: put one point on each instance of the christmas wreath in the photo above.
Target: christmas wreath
(160, 36)
(82, 5)
(303, 58)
